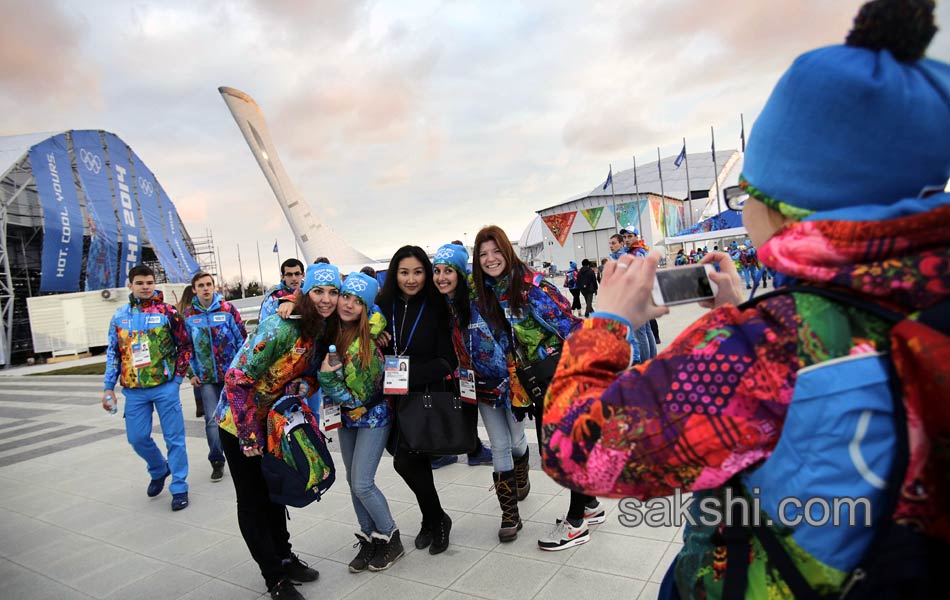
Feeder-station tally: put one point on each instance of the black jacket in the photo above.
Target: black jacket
(431, 353)
(587, 280)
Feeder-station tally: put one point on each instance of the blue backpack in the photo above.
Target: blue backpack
(297, 466)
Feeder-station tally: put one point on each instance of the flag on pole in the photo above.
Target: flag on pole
(275, 245)
(742, 133)
(713, 147)
(682, 156)
(610, 178)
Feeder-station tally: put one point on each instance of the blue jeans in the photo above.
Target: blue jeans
(210, 392)
(138, 430)
(362, 447)
(646, 343)
(505, 434)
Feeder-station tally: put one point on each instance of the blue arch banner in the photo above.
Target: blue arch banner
(147, 192)
(62, 219)
(129, 230)
(102, 259)
(187, 263)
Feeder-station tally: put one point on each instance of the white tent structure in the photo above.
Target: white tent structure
(76, 209)
(313, 236)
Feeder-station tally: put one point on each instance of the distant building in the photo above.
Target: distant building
(581, 226)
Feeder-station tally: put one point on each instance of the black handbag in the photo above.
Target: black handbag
(437, 422)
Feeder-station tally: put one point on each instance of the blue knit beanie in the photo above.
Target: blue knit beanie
(319, 275)
(453, 255)
(867, 123)
(362, 286)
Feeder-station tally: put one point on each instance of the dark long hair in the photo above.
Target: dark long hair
(311, 324)
(390, 290)
(517, 288)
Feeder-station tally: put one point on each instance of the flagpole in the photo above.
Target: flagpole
(742, 136)
(260, 270)
(689, 193)
(613, 197)
(636, 185)
(659, 166)
(240, 270)
(712, 132)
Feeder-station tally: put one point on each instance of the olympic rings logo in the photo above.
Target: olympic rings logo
(146, 187)
(324, 276)
(91, 160)
(355, 285)
(444, 253)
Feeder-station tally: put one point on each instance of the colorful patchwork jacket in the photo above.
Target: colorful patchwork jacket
(274, 356)
(359, 385)
(540, 329)
(272, 298)
(791, 395)
(479, 349)
(217, 333)
(156, 326)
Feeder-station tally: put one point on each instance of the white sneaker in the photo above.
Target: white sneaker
(564, 536)
(594, 515)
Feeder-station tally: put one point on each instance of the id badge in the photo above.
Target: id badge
(330, 416)
(467, 385)
(140, 355)
(396, 380)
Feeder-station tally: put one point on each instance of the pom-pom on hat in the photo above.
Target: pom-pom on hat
(320, 275)
(865, 123)
(453, 255)
(362, 286)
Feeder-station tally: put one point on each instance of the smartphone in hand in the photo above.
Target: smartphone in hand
(682, 285)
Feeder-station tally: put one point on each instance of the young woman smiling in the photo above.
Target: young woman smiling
(357, 386)
(280, 351)
(532, 319)
(482, 350)
(418, 328)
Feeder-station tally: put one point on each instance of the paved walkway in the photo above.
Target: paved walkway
(75, 521)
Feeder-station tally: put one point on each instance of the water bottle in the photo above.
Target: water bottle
(333, 359)
(113, 404)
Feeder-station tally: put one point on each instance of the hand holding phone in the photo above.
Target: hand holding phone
(684, 284)
(730, 289)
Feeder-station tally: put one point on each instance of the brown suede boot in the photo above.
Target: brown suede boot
(521, 477)
(510, 519)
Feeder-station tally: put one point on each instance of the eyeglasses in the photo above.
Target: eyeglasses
(735, 197)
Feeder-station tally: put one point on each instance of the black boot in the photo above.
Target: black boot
(424, 538)
(388, 550)
(367, 549)
(521, 477)
(510, 519)
(440, 535)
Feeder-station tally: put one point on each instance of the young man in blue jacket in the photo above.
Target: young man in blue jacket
(148, 353)
(216, 333)
(291, 276)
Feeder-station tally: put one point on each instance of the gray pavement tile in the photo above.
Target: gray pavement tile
(13, 525)
(463, 497)
(619, 555)
(19, 583)
(475, 531)
(439, 570)
(505, 577)
(324, 539)
(119, 573)
(246, 575)
(191, 542)
(68, 567)
(29, 539)
(526, 507)
(393, 588)
(41, 546)
(335, 580)
(220, 590)
(217, 559)
(168, 582)
(651, 591)
(570, 582)
(664, 565)
(83, 515)
(38, 501)
(613, 524)
(453, 595)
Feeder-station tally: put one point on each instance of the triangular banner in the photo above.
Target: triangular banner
(560, 225)
(627, 213)
(593, 215)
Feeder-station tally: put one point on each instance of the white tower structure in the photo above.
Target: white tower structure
(313, 236)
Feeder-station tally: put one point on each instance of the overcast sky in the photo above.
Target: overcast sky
(401, 121)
